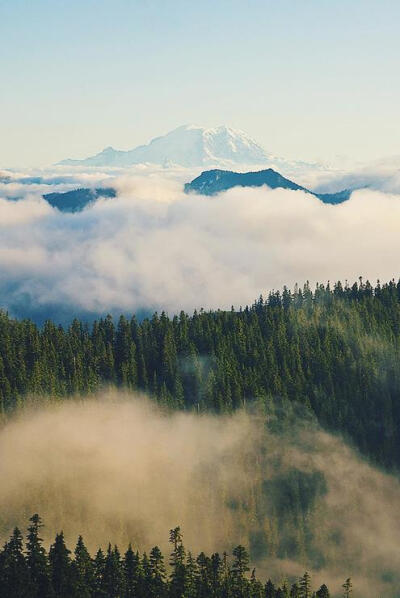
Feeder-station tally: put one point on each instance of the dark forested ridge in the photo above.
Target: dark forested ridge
(77, 199)
(211, 182)
(334, 350)
(29, 571)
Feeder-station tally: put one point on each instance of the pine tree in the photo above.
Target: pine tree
(40, 581)
(203, 576)
(256, 587)
(83, 571)
(269, 589)
(347, 588)
(99, 565)
(112, 582)
(283, 592)
(177, 561)
(14, 573)
(226, 579)
(305, 586)
(60, 565)
(240, 567)
(146, 580)
(323, 592)
(295, 591)
(216, 574)
(191, 577)
(158, 575)
(132, 573)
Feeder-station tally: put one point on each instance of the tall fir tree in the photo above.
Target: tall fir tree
(60, 565)
(40, 578)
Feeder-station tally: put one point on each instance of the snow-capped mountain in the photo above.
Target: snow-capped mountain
(188, 146)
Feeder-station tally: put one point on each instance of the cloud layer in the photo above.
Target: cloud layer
(153, 247)
(118, 469)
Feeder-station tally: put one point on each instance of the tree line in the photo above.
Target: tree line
(27, 570)
(334, 349)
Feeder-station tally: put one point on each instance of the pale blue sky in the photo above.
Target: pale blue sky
(309, 79)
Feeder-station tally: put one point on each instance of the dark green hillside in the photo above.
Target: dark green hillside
(335, 350)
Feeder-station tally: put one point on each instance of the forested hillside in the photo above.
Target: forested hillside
(334, 350)
(30, 572)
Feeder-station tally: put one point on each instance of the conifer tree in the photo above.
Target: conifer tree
(256, 587)
(132, 573)
(226, 580)
(60, 566)
(203, 576)
(191, 577)
(216, 574)
(347, 588)
(323, 592)
(14, 572)
(177, 562)
(146, 581)
(295, 591)
(305, 586)
(99, 566)
(157, 572)
(112, 581)
(240, 567)
(83, 571)
(40, 580)
(269, 589)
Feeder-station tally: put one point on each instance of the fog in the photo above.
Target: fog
(153, 247)
(119, 469)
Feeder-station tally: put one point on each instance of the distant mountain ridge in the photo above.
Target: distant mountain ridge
(211, 182)
(189, 146)
(77, 199)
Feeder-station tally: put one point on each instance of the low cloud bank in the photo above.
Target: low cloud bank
(381, 175)
(119, 469)
(153, 247)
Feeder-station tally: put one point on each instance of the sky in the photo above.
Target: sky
(308, 79)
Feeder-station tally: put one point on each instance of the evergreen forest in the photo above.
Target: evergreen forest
(333, 349)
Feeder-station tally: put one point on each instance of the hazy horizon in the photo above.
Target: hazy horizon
(312, 81)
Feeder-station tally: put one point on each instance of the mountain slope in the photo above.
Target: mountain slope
(327, 340)
(211, 182)
(187, 146)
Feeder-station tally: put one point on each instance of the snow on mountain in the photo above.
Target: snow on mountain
(187, 146)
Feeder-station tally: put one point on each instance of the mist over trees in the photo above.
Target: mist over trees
(27, 570)
(334, 350)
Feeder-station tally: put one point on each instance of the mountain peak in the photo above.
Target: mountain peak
(214, 181)
(189, 145)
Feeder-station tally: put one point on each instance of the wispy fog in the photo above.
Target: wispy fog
(119, 469)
